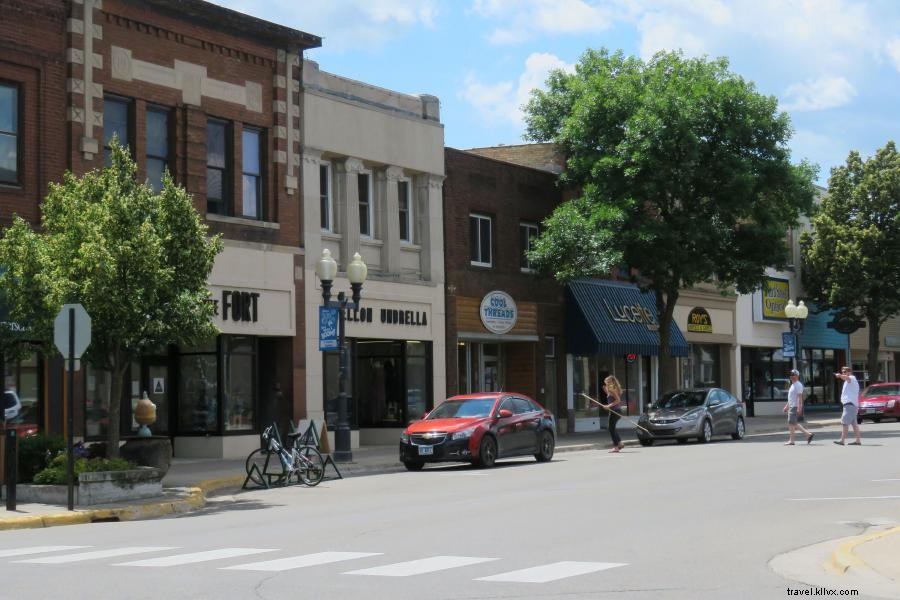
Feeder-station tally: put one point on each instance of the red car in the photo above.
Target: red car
(880, 401)
(480, 428)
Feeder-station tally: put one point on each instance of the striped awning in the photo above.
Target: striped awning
(609, 317)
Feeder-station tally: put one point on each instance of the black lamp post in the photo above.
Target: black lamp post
(326, 269)
(796, 314)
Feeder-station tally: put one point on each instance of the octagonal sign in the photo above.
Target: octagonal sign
(82, 331)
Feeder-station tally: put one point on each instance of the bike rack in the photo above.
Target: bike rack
(268, 478)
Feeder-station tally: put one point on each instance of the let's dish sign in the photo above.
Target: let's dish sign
(498, 312)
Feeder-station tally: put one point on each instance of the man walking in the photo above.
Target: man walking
(794, 409)
(850, 403)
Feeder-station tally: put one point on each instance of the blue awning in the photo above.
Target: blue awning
(609, 317)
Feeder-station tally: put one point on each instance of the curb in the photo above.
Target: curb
(843, 558)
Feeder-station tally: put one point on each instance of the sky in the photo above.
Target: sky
(833, 65)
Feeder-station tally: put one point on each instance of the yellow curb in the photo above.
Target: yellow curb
(843, 558)
(74, 518)
(27, 522)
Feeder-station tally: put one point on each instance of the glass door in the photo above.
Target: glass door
(156, 384)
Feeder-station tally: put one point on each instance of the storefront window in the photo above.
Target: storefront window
(21, 378)
(379, 382)
(585, 381)
(239, 380)
(766, 370)
(198, 390)
(416, 380)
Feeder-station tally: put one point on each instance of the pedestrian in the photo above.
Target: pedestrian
(613, 390)
(849, 404)
(794, 409)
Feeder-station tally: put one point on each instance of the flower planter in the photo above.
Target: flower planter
(100, 487)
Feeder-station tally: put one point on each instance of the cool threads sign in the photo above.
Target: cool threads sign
(498, 312)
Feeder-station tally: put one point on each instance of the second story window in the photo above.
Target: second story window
(9, 133)
(251, 143)
(365, 205)
(116, 122)
(404, 205)
(480, 240)
(528, 233)
(157, 146)
(325, 204)
(218, 173)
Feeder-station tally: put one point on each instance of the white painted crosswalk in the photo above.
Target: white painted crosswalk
(537, 574)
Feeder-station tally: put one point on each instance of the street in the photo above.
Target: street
(670, 522)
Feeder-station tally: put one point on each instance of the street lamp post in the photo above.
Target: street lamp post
(796, 314)
(326, 269)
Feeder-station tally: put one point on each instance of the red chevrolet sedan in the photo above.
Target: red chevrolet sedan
(880, 401)
(480, 428)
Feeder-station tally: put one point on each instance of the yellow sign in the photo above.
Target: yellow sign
(699, 321)
(775, 294)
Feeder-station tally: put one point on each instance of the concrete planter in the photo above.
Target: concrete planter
(100, 487)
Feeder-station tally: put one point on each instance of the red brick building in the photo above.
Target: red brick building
(505, 324)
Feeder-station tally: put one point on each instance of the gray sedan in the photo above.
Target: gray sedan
(699, 413)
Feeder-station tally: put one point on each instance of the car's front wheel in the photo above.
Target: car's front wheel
(705, 433)
(646, 441)
(546, 447)
(740, 430)
(487, 452)
(413, 465)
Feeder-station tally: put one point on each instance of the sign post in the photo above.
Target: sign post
(788, 344)
(72, 336)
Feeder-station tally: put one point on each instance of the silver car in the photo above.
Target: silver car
(699, 413)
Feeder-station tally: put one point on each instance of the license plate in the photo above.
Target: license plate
(425, 450)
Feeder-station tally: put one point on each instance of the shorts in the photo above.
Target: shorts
(793, 419)
(848, 414)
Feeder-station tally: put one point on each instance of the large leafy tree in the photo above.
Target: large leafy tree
(851, 258)
(136, 260)
(681, 172)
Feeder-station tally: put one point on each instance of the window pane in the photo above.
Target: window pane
(96, 403)
(485, 241)
(9, 109)
(250, 145)
(473, 238)
(364, 219)
(157, 134)
(403, 204)
(365, 225)
(155, 168)
(251, 196)
(324, 198)
(197, 391)
(115, 121)
(239, 380)
(9, 158)
(214, 183)
(215, 144)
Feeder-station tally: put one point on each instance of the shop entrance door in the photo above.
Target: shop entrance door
(490, 368)
(157, 385)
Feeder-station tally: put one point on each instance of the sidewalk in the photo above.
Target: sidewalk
(189, 481)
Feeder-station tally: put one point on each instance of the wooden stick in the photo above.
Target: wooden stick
(629, 419)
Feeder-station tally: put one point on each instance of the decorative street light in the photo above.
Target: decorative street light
(796, 314)
(326, 269)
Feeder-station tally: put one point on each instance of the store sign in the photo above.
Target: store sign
(775, 295)
(498, 312)
(240, 306)
(387, 316)
(699, 321)
(630, 313)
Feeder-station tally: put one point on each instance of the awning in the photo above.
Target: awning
(609, 317)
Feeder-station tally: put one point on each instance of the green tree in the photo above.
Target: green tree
(682, 173)
(851, 258)
(136, 260)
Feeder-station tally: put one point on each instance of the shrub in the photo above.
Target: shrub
(33, 453)
(56, 472)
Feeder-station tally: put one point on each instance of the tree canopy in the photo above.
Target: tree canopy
(137, 261)
(681, 170)
(851, 258)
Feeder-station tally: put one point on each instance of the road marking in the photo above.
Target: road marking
(68, 558)
(849, 498)
(194, 557)
(886, 480)
(423, 565)
(552, 572)
(298, 562)
(37, 550)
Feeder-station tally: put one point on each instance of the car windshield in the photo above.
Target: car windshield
(883, 390)
(458, 409)
(681, 400)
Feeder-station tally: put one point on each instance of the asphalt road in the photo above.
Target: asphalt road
(672, 521)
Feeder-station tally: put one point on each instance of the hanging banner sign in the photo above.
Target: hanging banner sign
(788, 344)
(328, 328)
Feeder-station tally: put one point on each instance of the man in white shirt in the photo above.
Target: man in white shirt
(850, 405)
(794, 409)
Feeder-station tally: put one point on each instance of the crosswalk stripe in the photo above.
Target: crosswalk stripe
(36, 550)
(194, 557)
(423, 565)
(298, 562)
(551, 572)
(69, 558)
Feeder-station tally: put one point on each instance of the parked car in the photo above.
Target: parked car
(480, 428)
(696, 413)
(11, 405)
(880, 401)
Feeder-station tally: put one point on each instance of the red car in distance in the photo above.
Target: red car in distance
(480, 428)
(880, 401)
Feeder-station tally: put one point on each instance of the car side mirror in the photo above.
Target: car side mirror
(504, 413)
(714, 402)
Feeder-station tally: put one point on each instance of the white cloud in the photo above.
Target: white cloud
(529, 18)
(819, 94)
(893, 50)
(503, 101)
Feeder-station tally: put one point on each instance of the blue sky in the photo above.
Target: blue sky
(834, 65)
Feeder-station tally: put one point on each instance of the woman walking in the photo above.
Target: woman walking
(614, 398)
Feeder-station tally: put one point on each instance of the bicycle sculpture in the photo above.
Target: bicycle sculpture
(273, 464)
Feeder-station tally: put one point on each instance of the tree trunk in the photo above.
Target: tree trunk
(665, 309)
(874, 334)
(115, 410)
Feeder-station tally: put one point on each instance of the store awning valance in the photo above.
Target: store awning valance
(609, 317)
